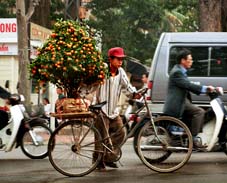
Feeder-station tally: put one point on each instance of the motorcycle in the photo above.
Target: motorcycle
(215, 128)
(19, 129)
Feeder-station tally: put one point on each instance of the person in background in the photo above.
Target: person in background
(47, 108)
(110, 91)
(178, 101)
(58, 102)
(145, 79)
(61, 96)
(60, 93)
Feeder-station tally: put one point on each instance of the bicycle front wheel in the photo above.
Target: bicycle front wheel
(72, 147)
(169, 148)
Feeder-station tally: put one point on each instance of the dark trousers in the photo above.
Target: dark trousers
(3, 119)
(194, 115)
(110, 126)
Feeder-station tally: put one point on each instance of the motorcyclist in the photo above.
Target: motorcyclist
(3, 114)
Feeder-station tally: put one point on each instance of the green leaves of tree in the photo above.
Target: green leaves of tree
(137, 25)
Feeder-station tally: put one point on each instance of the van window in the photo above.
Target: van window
(208, 61)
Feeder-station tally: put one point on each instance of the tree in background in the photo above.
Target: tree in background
(224, 16)
(45, 14)
(129, 24)
(213, 15)
(137, 25)
(180, 15)
(7, 8)
(41, 15)
(210, 15)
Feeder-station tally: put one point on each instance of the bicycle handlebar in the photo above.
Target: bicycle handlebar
(142, 91)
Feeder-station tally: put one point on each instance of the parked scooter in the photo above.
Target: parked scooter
(30, 133)
(215, 129)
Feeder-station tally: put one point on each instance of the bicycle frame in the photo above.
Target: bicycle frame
(89, 146)
(148, 115)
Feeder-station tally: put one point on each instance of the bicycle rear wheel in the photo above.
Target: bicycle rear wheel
(169, 150)
(72, 147)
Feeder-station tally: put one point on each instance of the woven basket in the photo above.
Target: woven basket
(75, 115)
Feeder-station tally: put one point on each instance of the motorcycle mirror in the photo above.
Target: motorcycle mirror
(7, 84)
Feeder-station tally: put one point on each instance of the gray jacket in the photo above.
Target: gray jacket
(179, 88)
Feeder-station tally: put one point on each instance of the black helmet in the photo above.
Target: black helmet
(14, 99)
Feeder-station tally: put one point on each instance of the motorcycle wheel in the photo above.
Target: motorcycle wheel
(34, 141)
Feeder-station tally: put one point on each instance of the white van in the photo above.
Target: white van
(209, 52)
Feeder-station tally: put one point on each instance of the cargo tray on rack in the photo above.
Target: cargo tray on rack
(73, 115)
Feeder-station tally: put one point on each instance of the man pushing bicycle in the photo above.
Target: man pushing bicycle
(110, 92)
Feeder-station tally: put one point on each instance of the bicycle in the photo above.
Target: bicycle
(72, 144)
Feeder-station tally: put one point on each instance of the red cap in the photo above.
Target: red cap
(116, 52)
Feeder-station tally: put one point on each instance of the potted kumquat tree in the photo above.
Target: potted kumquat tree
(69, 58)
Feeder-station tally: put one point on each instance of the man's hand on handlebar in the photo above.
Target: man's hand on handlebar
(140, 93)
(137, 95)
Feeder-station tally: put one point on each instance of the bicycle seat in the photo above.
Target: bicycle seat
(97, 106)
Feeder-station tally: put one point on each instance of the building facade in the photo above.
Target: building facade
(8, 53)
(9, 65)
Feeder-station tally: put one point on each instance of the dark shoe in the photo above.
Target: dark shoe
(111, 164)
(197, 143)
(101, 166)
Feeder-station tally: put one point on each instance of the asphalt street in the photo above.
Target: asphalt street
(202, 167)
